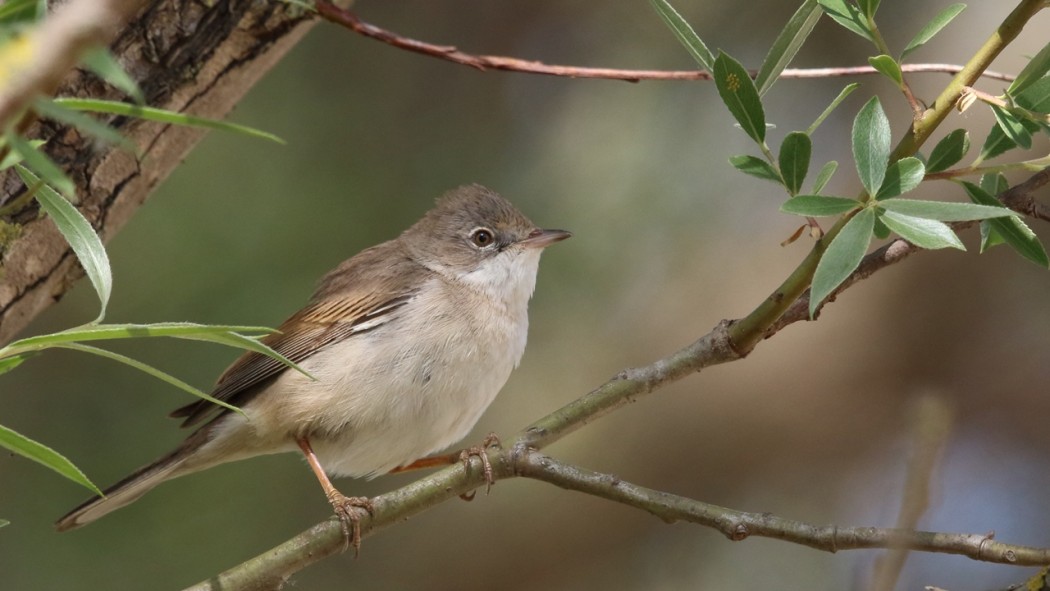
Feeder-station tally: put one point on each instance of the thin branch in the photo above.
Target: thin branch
(349, 20)
(739, 525)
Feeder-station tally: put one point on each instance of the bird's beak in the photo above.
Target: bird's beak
(543, 238)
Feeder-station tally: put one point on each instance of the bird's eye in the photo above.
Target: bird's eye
(482, 237)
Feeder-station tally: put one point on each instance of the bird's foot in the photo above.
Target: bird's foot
(350, 510)
(490, 441)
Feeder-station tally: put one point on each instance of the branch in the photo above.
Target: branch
(349, 20)
(271, 569)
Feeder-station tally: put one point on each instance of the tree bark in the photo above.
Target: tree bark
(187, 55)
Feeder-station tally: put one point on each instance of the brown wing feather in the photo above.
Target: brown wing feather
(337, 311)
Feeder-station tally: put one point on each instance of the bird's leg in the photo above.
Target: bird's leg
(490, 440)
(349, 509)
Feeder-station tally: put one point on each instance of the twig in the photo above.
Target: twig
(349, 20)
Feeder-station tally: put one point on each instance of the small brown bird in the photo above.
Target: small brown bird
(409, 342)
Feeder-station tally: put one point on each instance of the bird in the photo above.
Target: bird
(400, 349)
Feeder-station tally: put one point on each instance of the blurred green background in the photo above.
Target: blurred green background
(668, 240)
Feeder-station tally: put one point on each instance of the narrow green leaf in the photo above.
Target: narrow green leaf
(902, 176)
(12, 158)
(101, 332)
(993, 184)
(997, 142)
(794, 160)
(44, 455)
(1012, 127)
(9, 363)
(739, 94)
(13, 11)
(841, 97)
(685, 34)
(87, 124)
(1035, 97)
(868, 7)
(37, 161)
(161, 116)
(888, 67)
(824, 176)
(787, 44)
(4, 523)
(848, 16)
(921, 232)
(949, 151)
(842, 257)
(871, 144)
(881, 230)
(756, 167)
(933, 27)
(819, 205)
(103, 63)
(79, 234)
(945, 212)
(989, 236)
(1013, 231)
(149, 369)
(1036, 68)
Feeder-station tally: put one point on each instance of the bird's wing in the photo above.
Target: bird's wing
(315, 327)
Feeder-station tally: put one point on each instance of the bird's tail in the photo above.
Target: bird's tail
(134, 485)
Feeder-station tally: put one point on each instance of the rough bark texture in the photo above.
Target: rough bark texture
(189, 56)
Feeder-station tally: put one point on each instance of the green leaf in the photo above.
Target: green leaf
(105, 65)
(9, 363)
(1036, 97)
(756, 167)
(888, 67)
(739, 94)
(1036, 68)
(12, 158)
(848, 16)
(824, 176)
(945, 212)
(841, 97)
(4, 523)
(933, 27)
(950, 150)
(170, 379)
(871, 144)
(42, 454)
(994, 184)
(794, 159)
(881, 230)
(998, 142)
(868, 7)
(79, 234)
(902, 176)
(13, 11)
(819, 205)
(922, 232)
(1012, 127)
(37, 161)
(161, 116)
(89, 125)
(685, 34)
(787, 44)
(1013, 231)
(989, 236)
(101, 332)
(842, 257)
